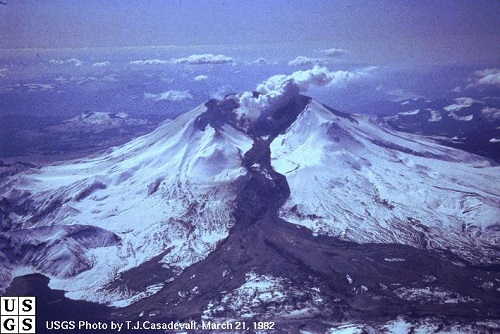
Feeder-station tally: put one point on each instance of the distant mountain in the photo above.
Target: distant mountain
(467, 123)
(97, 122)
(263, 207)
(36, 138)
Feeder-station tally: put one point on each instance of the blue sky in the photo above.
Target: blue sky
(372, 31)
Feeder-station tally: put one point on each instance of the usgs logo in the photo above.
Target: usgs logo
(17, 315)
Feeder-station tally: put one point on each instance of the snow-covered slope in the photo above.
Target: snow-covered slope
(353, 179)
(170, 192)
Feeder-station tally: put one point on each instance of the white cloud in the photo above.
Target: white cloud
(34, 87)
(149, 62)
(82, 79)
(461, 102)
(460, 118)
(489, 76)
(71, 61)
(101, 64)
(333, 52)
(317, 76)
(301, 61)
(280, 89)
(260, 61)
(29, 87)
(3, 72)
(110, 78)
(171, 95)
(200, 59)
(61, 80)
(402, 95)
(491, 112)
(435, 116)
(200, 77)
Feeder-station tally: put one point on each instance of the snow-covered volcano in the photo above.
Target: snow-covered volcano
(173, 195)
(352, 179)
(170, 192)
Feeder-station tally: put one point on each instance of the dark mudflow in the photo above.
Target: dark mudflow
(273, 246)
(265, 190)
(146, 274)
(355, 281)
